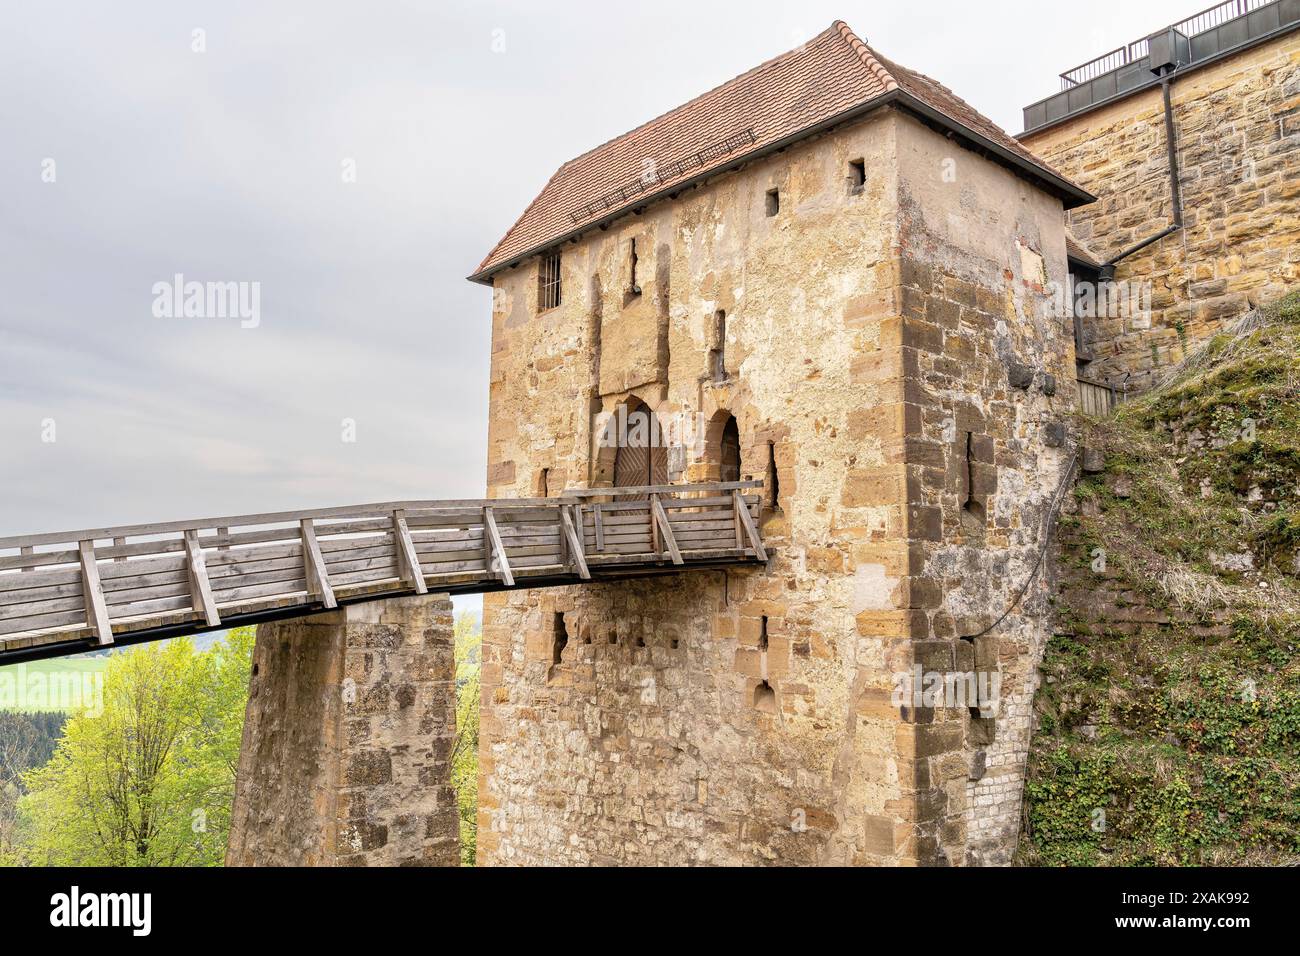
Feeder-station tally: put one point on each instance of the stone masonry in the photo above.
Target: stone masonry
(1238, 133)
(347, 740)
(893, 359)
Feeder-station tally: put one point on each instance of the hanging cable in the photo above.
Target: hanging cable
(1048, 529)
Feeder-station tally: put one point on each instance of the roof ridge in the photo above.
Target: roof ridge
(884, 68)
(929, 79)
(910, 75)
(766, 64)
(867, 55)
(831, 78)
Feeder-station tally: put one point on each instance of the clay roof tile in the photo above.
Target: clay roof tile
(799, 91)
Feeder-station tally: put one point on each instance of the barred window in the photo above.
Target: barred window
(548, 282)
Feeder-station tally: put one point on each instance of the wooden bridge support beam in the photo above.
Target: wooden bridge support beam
(346, 756)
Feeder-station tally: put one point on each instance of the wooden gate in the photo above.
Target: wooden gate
(641, 457)
(1098, 399)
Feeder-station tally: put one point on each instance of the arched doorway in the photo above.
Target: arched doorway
(722, 447)
(640, 457)
(729, 451)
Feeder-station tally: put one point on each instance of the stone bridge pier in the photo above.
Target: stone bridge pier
(346, 754)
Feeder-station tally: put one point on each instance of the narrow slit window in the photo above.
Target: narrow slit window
(857, 175)
(773, 479)
(548, 282)
(635, 286)
(561, 638)
(968, 497)
(970, 502)
(762, 635)
(718, 354)
(773, 202)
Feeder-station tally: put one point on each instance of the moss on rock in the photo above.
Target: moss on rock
(1168, 718)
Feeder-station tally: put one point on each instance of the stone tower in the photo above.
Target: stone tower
(837, 272)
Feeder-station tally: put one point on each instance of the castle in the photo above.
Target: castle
(784, 407)
(834, 275)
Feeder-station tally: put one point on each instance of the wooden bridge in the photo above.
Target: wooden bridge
(67, 593)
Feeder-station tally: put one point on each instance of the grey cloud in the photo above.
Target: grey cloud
(226, 166)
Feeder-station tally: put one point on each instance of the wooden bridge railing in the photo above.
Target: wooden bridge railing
(188, 576)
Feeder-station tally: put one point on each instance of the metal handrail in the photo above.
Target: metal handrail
(659, 175)
(1208, 19)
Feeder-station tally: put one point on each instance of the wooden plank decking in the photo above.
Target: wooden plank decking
(65, 593)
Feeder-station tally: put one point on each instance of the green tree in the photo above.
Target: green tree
(464, 755)
(149, 781)
(27, 740)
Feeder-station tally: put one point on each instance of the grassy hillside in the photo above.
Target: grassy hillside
(1168, 720)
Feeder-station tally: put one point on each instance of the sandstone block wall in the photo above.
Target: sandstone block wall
(1238, 132)
(347, 740)
(644, 744)
(988, 371)
(747, 717)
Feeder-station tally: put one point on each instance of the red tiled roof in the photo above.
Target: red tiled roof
(831, 74)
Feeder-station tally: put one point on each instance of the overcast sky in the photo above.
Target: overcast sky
(126, 157)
